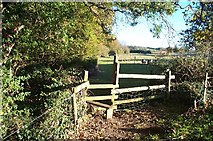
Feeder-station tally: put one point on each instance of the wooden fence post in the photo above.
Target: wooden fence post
(110, 113)
(116, 67)
(86, 74)
(110, 110)
(195, 104)
(205, 88)
(115, 81)
(75, 108)
(168, 79)
(134, 59)
(86, 78)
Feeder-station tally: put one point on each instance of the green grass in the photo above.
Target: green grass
(106, 68)
(133, 58)
(138, 69)
(104, 76)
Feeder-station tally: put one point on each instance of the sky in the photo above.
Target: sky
(140, 34)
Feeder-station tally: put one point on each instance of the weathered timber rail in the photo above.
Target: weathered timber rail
(135, 89)
(116, 91)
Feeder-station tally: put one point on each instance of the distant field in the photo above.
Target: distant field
(106, 66)
(133, 58)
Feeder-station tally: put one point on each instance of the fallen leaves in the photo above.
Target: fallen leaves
(119, 127)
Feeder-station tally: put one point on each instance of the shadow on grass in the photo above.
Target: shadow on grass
(106, 70)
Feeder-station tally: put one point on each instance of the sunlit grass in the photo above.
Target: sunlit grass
(105, 65)
(131, 58)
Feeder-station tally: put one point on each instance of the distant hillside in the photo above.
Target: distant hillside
(143, 50)
(154, 48)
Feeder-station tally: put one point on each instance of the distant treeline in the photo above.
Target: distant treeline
(142, 48)
(141, 51)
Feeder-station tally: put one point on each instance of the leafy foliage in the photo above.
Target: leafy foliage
(48, 35)
(47, 96)
(195, 126)
(190, 75)
(40, 45)
(45, 48)
(11, 92)
(198, 15)
(190, 69)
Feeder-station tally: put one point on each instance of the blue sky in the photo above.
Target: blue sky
(140, 34)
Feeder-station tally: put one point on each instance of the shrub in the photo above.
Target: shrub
(12, 91)
(195, 126)
(37, 102)
(190, 75)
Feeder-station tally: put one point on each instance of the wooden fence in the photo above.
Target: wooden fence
(92, 99)
(115, 91)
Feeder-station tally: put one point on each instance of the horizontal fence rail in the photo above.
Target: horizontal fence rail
(115, 90)
(143, 76)
(80, 87)
(102, 86)
(136, 99)
(135, 89)
(105, 97)
(99, 104)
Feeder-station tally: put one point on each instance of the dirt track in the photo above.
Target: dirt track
(124, 125)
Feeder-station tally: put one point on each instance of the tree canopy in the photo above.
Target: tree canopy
(54, 31)
(42, 41)
(38, 39)
(198, 16)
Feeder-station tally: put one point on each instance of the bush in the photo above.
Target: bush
(188, 68)
(189, 75)
(192, 90)
(194, 126)
(37, 102)
(12, 91)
